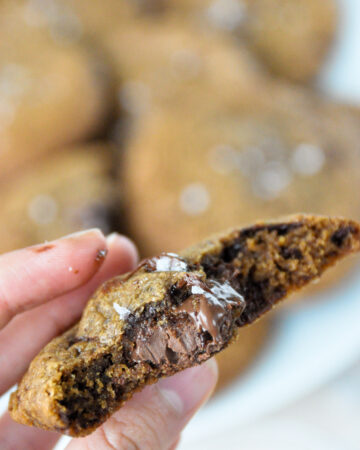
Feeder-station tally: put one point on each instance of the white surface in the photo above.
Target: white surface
(326, 420)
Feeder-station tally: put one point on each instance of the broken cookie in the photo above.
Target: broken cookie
(172, 312)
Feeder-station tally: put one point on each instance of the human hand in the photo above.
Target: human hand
(43, 290)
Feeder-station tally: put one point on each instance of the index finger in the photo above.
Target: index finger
(34, 275)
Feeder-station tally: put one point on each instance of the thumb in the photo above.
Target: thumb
(155, 417)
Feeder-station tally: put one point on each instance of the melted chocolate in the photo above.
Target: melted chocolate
(163, 345)
(209, 304)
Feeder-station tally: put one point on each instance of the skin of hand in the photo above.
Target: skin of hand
(43, 290)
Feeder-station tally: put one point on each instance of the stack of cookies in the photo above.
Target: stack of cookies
(169, 120)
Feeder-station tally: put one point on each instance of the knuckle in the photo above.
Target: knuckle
(6, 311)
(122, 441)
(134, 432)
(144, 425)
(126, 443)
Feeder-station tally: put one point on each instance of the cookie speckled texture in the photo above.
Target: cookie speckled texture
(171, 313)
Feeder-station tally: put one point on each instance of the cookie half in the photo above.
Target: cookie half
(173, 312)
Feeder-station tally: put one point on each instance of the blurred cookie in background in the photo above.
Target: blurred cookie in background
(158, 62)
(188, 175)
(60, 194)
(240, 354)
(98, 18)
(53, 89)
(291, 37)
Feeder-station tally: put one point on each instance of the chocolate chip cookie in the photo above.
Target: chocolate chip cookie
(160, 63)
(58, 195)
(172, 312)
(53, 88)
(187, 175)
(291, 37)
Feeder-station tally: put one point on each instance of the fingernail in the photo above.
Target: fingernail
(79, 234)
(188, 390)
(124, 242)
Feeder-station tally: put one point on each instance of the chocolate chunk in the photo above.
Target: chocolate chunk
(291, 253)
(281, 229)
(339, 237)
(229, 253)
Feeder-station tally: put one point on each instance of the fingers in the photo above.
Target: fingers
(49, 319)
(155, 417)
(35, 275)
(27, 333)
(15, 436)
